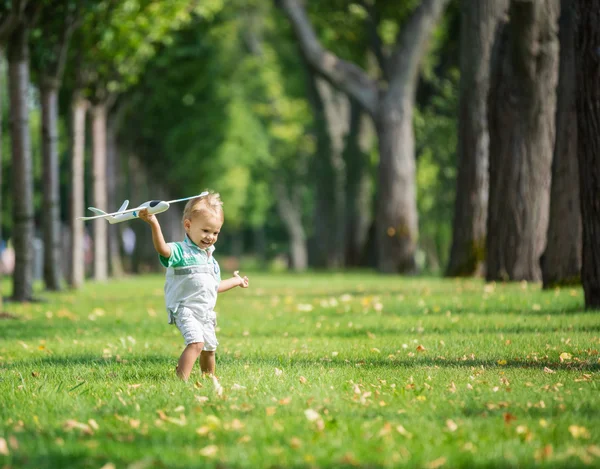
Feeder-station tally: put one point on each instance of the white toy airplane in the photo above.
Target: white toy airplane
(121, 215)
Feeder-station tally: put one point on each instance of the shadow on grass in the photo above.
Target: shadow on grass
(137, 366)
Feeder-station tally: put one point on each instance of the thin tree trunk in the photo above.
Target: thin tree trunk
(51, 196)
(113, 201)
(260, 243)
(359, 142)
(521, 125)
(561, 262)
(587, 62)
(290, 214)
(22, 164)
(100, 194)
(479, 22)
(78, 111)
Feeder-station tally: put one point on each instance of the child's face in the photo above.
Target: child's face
(203, 229)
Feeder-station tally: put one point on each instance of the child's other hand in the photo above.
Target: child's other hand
(147, 217)
(244, 282)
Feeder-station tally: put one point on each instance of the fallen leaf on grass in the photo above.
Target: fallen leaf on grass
(295, 443)
(237, 387)
(548, 370)
(302, 380)
(544, 453)
(209, 451)
(451, 425)
(565, 356)
(579, 432)
(84, 427)
(439, 462)
(404, 432)
(108, 465)
(420, 348)
(3, 447)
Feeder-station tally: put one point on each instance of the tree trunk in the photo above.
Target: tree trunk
(390, 103)
(521, 125)
(22, 164)
(291, 216)
(113, 200)
(2, 88)
(51, 196)
(479, 22)
(587, 61)
(100, 199)
(359, 142)
(397, 219)
(78, 111)
(331, 112)
(561, 262)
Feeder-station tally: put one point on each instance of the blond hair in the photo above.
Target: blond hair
(209, 204)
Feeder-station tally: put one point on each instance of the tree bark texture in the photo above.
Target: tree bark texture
(22, 164)
(521, 126)
(113, 195)
(479, 23)
(561, 262)
(359, 187)
(332, 114)
(587, 62)
(390, 104)
(51, 197)
(77, 202)
(100, 192)
(289, 211)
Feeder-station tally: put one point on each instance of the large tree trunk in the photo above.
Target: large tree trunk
(51, 196)
(100, 195)
(479, 22)
(290, 213)
(359, 215)
(331, 110)
(2, 88)
(587, 61)
(521, 125)
(397, 220)
(22, 164)
(390, 103)
(561, 262)
(78, 111)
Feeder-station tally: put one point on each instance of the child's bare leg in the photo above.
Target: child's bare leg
(187, 359)
(207, 362)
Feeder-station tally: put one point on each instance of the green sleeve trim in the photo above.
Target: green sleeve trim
(176, 257)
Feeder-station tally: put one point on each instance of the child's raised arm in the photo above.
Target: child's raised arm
(157, 237)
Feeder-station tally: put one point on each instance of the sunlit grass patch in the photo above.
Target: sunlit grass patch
(323, 370)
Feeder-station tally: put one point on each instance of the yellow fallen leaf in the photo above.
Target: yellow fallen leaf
(579, 432)
(451, 425)
(209, 451)
(3, 447)
(295, 443)
(439, 462)
(548, 370)
(302, 380)
(565, 356)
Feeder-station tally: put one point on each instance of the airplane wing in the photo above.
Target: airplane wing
(106, 215)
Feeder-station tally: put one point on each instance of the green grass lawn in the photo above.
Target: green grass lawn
(317, 370)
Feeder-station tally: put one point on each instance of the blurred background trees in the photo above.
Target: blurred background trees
(428, 136)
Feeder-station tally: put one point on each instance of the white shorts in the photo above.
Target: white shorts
(197, 327)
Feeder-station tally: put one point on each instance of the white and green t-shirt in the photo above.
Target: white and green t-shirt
(192, 279)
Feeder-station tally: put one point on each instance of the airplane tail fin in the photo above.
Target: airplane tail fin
(97, 211)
